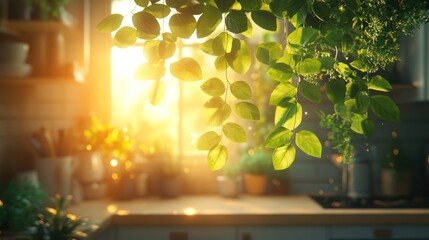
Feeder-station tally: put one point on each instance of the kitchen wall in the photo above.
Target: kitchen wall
(25, 108)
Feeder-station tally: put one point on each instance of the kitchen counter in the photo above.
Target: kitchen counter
(248, 210)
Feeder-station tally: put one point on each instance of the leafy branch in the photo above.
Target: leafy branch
(332, 47)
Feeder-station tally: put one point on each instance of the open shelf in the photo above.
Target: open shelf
(36, 26)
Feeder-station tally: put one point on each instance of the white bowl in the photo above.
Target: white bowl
(14, 69)
(13, 52)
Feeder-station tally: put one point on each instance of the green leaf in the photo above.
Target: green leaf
(221, 63)
(248, 33)
(207, 47)
(264, 19)
(241, 90)
(342, 110)
(289, 115)
(251, 5)
(234, 132)
(224, 5)
(357, 123)
(213, 87)
(359, 65)
(368, 127)
(247, 110)
(303, 35)
(268, 53)
(125, 37)
(157, 92)
(186, 69)
(327, 63)
(146, 23)
(362, 102)
(384, 108)
(299, 18)
(158, 10)
(236, 21)
(343, 68)
(283, 157)
(192, 7)
(151, 50)
(149, 71)
(309, 143)
(378, 83)
(347, 43)
(336, 90)
(217, 157)
(222, 44)
(110, 23)
(309, 66)
(239, 58)
(280, 72)
(282, 91)
(280, 136)
(214, 102)
(208, 141)
(288, 59)
(321, 10)
(176, 3)
(216, 116)
(167, 49)
(310, 91)
(182, 25)
(142, 3)
(208, 21)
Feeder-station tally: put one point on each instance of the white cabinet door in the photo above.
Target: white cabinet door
(282, 233)
(410, 232)
(176, 233)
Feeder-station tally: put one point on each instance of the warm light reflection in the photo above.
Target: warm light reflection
(1, 203)
(114, 163)
(394, 134)
(112, 208)
(190, 211)
(88, 147)
(122, 212)
(395, 152)
(71, 216)
(115, 176)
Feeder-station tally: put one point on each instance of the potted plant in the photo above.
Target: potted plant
(19, 9)
(229, 184)
(55, 223)
(50, 10)
(255, 164)
(19, 207)
(171, 186)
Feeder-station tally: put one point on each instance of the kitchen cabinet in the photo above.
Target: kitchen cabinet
(175, 233)
(409, 232)
(282, 233)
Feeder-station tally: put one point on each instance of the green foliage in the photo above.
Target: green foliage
(255, 161)
(55, 223)
(19, 206)
(312, 59)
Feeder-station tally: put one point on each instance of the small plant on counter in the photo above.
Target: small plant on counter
(19, 206)
(55, 224)
(256, 164)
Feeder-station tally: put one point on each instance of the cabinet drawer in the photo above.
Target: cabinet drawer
(282, 233)
(380, 232)
(176, 233)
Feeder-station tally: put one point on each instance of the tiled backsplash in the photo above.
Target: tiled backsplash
(25, 107)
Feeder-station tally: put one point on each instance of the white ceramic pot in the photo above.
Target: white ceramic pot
(90, 168)
(229, 186)
(55, 174)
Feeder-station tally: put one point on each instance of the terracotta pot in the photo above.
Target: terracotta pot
(255, 184)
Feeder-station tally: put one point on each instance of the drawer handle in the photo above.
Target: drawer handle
(179, 236)
(246, 236)
(383, 233)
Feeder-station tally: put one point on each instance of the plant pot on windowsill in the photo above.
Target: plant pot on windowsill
(230, 184)
(255, 165)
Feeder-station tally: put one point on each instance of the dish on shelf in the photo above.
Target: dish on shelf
(14, 69)
(13, 52)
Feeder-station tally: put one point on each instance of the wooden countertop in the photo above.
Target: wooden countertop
(246, 210)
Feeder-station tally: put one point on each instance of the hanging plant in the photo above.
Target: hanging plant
(332, 47)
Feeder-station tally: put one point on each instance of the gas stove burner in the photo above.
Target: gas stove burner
(376, 202)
